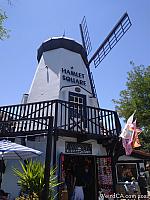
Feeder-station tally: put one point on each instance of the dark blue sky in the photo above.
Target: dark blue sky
(33, 21)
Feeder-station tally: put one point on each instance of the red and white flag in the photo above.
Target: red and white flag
(127, 134)
(136, 141)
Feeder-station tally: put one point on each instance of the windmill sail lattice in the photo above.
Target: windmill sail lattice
(111, 40)
(85, 36)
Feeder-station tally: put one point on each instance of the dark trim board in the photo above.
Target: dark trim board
(129, 161)
(81, 136)
(61, 42)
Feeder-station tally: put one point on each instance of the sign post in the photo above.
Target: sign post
(45, 192)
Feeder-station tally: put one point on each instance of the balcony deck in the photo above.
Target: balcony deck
(69, 120)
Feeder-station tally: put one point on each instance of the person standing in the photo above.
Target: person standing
(142, 182)
(127, 187)
(134, 187)
(78, 184)
(69, 182)
(147, 175)
(87, 178)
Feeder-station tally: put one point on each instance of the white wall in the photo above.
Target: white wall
(45, 85)
(97, 149)
(9, 180)
(48, 82)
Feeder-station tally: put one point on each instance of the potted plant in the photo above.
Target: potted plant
(31, 180)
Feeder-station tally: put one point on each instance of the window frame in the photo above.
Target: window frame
(126, 165)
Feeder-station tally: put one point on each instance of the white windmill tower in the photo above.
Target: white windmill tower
(63, 70)
(63, 88)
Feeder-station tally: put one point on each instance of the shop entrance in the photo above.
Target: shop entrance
(79, 170)
(98, 179)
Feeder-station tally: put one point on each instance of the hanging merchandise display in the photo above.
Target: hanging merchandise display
(104, 175)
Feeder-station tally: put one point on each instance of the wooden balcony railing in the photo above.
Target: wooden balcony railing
(69, 118)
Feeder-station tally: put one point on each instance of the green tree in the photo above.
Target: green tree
(31, 179)
(136, 96)
(3, 30)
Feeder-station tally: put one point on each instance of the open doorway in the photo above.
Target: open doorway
(79, 170)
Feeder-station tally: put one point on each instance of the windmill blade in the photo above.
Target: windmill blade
(111, 40)
(85, 36)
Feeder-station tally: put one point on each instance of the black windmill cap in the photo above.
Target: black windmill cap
(62, 42)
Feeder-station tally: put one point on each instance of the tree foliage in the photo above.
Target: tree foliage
(3, 30)
(31, 179)
(136, 96)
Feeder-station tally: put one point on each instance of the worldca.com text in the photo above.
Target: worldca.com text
(122, 196)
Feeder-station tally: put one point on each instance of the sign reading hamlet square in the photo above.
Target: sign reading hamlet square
(73, 76)
(80, 148)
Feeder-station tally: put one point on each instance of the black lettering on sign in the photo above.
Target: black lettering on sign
(79, 148)
(68, 72)
(67, 78)
(63, 70)
(64, 78)
(72, 79)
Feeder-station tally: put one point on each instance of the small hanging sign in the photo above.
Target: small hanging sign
(79, 148)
